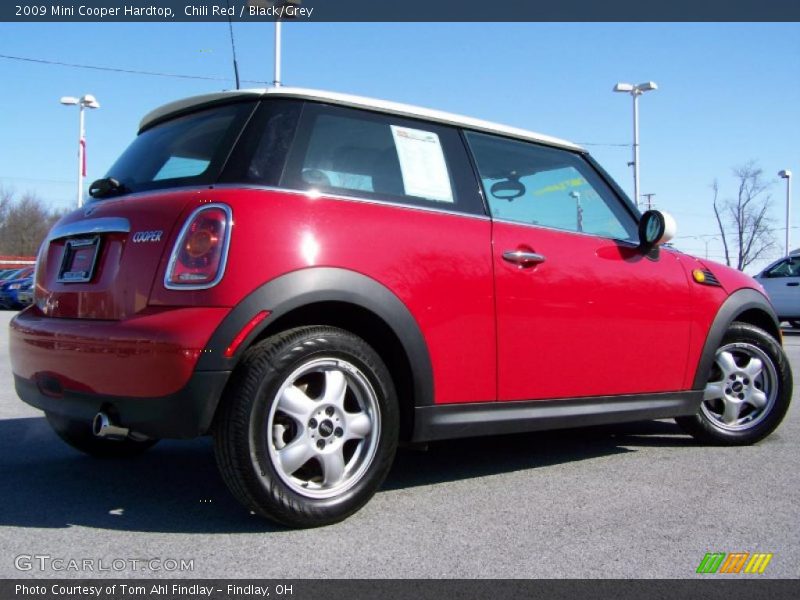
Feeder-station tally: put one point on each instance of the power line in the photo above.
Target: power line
(35, 179)
(121, 70)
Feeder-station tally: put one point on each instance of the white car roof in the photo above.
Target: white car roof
(395, 108)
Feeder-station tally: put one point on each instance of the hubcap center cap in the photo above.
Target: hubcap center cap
(326, 428)
(737, 386)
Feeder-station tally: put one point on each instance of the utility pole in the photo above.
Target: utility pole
(635, 91)
(649, 200)
(787, 175)
(85, 101)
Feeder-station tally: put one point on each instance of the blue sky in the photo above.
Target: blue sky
(729, 93)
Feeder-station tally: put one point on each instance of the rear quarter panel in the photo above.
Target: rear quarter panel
(437, 264)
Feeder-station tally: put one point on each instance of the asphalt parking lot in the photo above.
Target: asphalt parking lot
(640, 500)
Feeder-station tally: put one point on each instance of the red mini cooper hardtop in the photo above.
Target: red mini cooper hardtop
(312, 277)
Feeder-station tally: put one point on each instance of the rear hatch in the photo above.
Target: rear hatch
(101, 262)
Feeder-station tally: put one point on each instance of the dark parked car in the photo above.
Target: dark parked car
(7, 274)
(313, 277)
(25, 293)
(9, 289)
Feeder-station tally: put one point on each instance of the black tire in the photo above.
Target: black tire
(744, 342)
(251, 428)
(78, 434)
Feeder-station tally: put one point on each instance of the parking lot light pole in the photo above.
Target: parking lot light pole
(635, 91)
(85, 101)
(787, 175)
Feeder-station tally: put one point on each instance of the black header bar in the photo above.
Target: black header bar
(398, 10)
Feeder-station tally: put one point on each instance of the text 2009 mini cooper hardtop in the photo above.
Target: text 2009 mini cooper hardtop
(313, 277)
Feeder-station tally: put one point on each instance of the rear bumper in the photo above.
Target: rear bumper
(140, 370)
(185, 414)
(147, 356)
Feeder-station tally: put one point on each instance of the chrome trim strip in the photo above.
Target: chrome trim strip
(327, 196)
(223, 259)
(89, 226)
(631, 243)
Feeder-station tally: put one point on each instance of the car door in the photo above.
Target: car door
(782, 283)
(580, 309)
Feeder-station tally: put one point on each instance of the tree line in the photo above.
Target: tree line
(24, 223)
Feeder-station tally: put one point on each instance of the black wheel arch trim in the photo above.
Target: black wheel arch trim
(314, 285)
(734, 306)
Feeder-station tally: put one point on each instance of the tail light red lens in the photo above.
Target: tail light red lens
(199, 256)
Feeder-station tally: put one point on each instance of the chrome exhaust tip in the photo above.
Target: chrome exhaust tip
(103, 427)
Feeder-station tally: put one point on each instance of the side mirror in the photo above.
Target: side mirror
(655, 228)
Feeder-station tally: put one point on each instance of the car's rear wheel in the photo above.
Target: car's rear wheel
(308, 427)
(79, 435)
(748, 390)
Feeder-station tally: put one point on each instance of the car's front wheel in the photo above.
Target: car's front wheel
(748, 390)
(308, 427)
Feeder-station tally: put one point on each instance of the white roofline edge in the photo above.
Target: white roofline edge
(383, 106)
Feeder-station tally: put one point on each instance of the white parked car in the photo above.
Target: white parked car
(781, 280)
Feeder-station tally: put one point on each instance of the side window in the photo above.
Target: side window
(527, 183)
(357, 153)
(260, 155)
(786, 268)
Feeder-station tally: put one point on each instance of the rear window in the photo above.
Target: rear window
(188, 150)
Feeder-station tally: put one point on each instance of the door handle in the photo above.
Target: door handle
(793, 284)
(523, 258)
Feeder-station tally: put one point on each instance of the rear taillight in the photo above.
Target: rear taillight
(199, 256)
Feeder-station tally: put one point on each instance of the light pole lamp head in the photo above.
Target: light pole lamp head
(69, 100)
(89, 101)
(647, 86)
(623, 87)
(785, 174)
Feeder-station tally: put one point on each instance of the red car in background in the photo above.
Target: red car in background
(312, 277)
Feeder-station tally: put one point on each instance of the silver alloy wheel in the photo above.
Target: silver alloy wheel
(323, 428)
(742, 388)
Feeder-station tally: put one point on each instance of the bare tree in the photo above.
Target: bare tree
(742, 221)
(24, 223)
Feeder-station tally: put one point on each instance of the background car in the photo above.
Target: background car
(9, 289)
(781, 280)
(7, 274)
(25, 293)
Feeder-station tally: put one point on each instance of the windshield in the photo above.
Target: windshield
(188, 150)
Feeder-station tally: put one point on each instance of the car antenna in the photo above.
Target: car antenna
(233, 45)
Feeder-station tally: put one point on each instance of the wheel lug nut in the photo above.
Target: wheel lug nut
(741, 396)
(733, 376)
(320, 444)
(312, 423)
(329, 411)
(747, 382)
(339, 432)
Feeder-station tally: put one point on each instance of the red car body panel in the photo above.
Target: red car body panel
(590, 295)
(125, 270)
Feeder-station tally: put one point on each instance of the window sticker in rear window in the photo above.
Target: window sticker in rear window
(422, 164)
